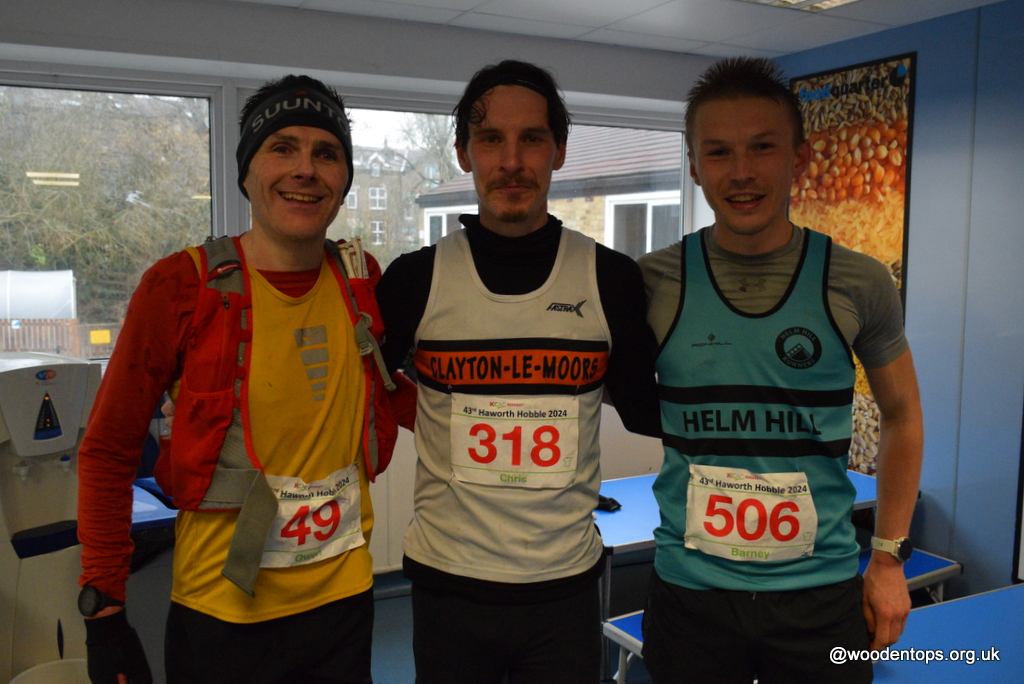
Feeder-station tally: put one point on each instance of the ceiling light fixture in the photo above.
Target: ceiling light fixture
(806, 5)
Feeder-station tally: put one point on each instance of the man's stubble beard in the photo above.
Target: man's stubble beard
(514, 216)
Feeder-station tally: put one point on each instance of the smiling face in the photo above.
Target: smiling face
(745, 159)
(295, 184)
(511, 154)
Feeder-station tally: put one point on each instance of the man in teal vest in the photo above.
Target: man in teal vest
(757, 319)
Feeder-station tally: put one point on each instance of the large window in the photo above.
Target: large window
(94, 188)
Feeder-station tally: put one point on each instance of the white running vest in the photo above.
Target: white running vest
(507, 420)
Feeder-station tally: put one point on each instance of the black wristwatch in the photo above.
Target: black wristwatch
(91, 601)
(901, 549)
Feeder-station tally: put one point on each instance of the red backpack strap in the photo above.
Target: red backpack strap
(365, 340)
(236, 483)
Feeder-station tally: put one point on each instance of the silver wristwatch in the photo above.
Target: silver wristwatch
(901, 549)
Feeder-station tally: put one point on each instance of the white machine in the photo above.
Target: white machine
(45, 401)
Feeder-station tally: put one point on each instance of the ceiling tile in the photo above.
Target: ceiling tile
(279, 3)
(726, 50)
(461, 5)
(702, 27)
(526, 27)
(807, 31)
(705, 20)
(389, 10)
(904, 11)
(594, 13)
(640, 40)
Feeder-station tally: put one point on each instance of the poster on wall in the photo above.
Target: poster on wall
(859, 124)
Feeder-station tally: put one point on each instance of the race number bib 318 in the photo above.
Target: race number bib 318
(314, 521)
(530, 442)
(743, 516)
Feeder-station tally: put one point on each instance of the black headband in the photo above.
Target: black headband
(524, 82)
(486, 85)
(303, 106)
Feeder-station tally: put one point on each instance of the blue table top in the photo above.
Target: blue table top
(977, 624)
(149, 512)
(631, 528)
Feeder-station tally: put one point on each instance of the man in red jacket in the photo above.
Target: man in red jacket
(282, 420)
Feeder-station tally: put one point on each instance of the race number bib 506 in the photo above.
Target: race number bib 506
(530, 442)
(314, 521)
(743, 516)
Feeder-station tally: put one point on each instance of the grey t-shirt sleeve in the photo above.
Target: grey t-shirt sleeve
(866, 306)
(662, 282)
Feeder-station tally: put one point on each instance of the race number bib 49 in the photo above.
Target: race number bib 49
(530, 442)
(314, 521)
(743, 516)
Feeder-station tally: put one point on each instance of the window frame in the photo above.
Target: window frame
(650, 199)
(228, 207)
(377, 201)
(223, 209)
(378, 231)
(444, 213)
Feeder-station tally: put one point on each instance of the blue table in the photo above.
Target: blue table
(976, 623)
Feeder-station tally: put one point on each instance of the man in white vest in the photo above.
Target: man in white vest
(519, 325)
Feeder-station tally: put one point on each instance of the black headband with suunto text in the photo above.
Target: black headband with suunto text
(300, 107)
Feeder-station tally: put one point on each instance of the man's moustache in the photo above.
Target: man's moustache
(510, 180)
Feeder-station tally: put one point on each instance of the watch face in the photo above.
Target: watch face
(904, 549)
(89, 601)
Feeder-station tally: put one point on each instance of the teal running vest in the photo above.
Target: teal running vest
(763, 394)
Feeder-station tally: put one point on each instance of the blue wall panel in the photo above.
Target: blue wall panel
(964, 317)
(994, 344)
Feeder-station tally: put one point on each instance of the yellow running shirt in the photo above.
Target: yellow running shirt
(306, 408)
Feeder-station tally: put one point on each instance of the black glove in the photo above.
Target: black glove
(114, 648)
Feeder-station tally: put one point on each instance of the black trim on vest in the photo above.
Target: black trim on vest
(785, 297)
(541, 343)
(511, 389)
(825, 302)
(682, 298)
(755, 394)
(776, 448)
